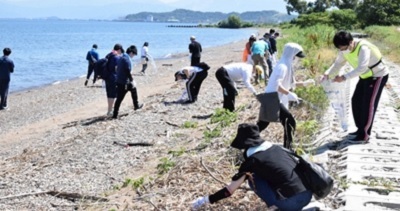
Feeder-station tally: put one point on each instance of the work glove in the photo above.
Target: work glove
(293, 97)
(199, 202)
(309, 82)
(324, 78)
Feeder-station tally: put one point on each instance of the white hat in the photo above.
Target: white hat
(192, 37)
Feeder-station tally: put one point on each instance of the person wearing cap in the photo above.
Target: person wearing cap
(195, 51)
(92, 56)
(268, 56)
(145, 57)
(259, 49)
(125, 82)
(6, 68)
(111, 76)
(366, 61)
(194, 77)
(227, 75)
(282, 81)
(276, 181)
(272, 41)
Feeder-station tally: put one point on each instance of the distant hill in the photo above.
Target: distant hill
(189, 16)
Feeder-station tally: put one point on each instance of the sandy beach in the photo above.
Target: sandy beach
(58, 148)
(57, 137)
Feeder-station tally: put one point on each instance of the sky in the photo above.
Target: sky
(113, 9)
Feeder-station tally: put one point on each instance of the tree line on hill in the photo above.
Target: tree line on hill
(189, 16)
(345, 14)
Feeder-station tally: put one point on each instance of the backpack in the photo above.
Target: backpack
(314, 177)
(100, 68)
(90, 58)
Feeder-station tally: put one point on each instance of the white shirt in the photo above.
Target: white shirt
(191, 69)
(241, 72)
(145, 51)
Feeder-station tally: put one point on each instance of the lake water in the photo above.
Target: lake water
(46, 51)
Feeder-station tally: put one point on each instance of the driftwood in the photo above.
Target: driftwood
(129, 144)
(201, 161)
(64, 195)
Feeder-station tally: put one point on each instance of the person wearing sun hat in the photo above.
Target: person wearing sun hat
(276, 181)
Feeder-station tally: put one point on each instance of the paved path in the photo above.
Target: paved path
(367, 175)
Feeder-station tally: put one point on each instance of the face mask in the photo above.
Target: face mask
(347, 51)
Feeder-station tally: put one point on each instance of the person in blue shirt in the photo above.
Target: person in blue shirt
(125, 80)
(6, 68)
(259, 52)
(111, 75)
(92, 56)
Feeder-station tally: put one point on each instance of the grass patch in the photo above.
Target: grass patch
(190, 124)
(165, 165)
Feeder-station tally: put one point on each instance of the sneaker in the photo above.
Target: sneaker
(140, 106)
(110, 113)
(358, 140)
(86, 82)
(187, 102)
(353, 133)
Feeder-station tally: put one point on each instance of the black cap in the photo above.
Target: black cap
(301, 54)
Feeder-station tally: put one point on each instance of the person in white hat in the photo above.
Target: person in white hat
(195, 51)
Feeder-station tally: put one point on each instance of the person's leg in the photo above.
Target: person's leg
(262, 125)
(289, 125)
(89, 72)
(269, 67)
(356, 105)
(135, 101)
(263, 190)
(111, 90)
(372, 92)
(121, 92)
(144, 68)
(4, 84)
(228, 89)
(197, 83)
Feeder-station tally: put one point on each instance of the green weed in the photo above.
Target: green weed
(190, 124)
(165, 165)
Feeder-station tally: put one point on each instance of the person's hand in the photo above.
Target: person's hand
(293, 97)
(199, 202)
(309, 82)
(324, 78)
(339, 78)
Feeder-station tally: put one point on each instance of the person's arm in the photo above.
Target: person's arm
(340, 61)
(221, 194)
(190, 48)
(11, 66)
(246, 80)
(186, 72)
(127, 68)
(201, 49)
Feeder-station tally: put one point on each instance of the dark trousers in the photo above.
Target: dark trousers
(121, 92)
(228, 88)
(289, 125)
(4, 85)
(194, 61)
(90, 71)
(364, 103)
(194, 83)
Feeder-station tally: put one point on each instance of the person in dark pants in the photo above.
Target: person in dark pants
(195, 49)
(92, 56)
(366, 59)
(227, 75)
(6, 68)
(282, 81)
(271, 173)
(125, 80)
(195, 76)
(145, 57)
(110, 76)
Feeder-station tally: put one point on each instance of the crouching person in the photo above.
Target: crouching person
(195, 76)
(227, 75)
(275, 181)
(125, 80)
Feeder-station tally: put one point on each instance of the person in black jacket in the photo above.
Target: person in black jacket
(125, 80)
(271, 172)
(195, 49)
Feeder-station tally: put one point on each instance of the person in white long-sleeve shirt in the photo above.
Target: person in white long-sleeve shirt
(194, 77)
(366, 59)
(282, 81)
(227, 75)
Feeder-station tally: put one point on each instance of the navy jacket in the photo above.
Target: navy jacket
(6, 67)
